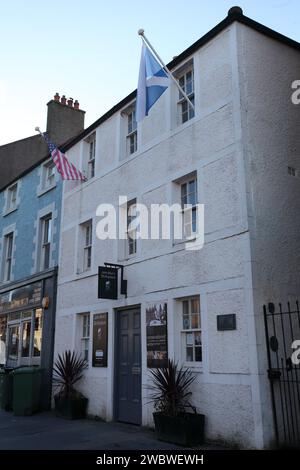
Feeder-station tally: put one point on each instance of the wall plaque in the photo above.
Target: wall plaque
(226, 322)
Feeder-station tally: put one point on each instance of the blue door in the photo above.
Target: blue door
(128, 366)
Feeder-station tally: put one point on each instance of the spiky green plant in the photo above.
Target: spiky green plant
(67, 371)
(170, 391)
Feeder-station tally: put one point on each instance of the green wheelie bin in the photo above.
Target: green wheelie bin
(6, 389)
(26, 390)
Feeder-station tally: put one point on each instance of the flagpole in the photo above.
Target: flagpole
(141, 33)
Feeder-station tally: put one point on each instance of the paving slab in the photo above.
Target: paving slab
(45, 431)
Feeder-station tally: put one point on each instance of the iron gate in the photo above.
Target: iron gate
(282, 330)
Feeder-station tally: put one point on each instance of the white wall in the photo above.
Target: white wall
(223, 144)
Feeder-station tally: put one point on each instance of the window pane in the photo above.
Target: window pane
(189, 354)
(197, 338)
(38, 328)
(195, 321)
(195, 308)
(186, 322)
(13, 343)
(198, 354)
(26, 331)
(185, 307)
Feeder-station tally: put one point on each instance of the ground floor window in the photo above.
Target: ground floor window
(85, 334)
(191, 329)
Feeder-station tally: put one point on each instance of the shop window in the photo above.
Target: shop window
(191, 330)
(3, 325)
(24, 343)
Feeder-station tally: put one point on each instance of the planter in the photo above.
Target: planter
(71, 408)
(185, 430)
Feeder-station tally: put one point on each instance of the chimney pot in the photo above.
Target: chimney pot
(76, 104)
(56, 97)
(70, 102)
(63, 99)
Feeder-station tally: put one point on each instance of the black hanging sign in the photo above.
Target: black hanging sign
(107, 282)
(100, 340)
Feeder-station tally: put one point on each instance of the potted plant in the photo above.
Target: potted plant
(67, 371)
(170, 394)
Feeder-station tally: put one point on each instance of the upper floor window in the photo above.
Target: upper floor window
(191, 330)
(7, 256)
(87, 245)
(12, 194)
(48, 175)
(186, 81)
(46, 237)
(90, 155)
(189, 199)
(131, 138)
(131, 228)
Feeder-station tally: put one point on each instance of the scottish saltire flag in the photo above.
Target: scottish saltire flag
(66, 169)
(153, 81)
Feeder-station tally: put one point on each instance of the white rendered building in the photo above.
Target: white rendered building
(238, 155)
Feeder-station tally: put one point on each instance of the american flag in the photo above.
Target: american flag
(65, 168)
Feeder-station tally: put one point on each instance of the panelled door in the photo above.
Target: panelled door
(128, 404)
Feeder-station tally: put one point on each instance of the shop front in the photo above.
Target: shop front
(27, 316)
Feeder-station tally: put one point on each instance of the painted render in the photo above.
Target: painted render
(241, 141)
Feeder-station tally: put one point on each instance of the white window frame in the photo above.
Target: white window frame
(131, 132)
(8, 248)
(193, 332)
(130, 241)
(90, 156)
(181, 100)
(85, 325)
(87, 245)
(46, 185)
(11, 203)
(187, 214)
(46, 245)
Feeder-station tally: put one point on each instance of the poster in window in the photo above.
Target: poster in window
(157, 335)
(100, 340)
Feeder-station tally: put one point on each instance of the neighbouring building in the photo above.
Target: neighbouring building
(30, 211)
(234, 155)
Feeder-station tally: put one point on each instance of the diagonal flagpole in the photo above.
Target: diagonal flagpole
(141, 33)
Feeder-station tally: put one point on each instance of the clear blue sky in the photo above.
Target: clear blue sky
(90, 50)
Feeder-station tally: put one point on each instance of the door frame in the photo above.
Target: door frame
(115, 346)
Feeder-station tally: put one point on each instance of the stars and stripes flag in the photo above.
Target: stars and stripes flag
(65, 168)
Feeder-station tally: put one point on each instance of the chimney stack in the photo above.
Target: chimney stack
(64, 119)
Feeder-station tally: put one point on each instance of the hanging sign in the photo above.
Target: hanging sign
(107, 282)
(100, 340)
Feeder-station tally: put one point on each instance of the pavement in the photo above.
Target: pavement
(45, 431)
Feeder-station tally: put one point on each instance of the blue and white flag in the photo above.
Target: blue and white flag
(153, 81)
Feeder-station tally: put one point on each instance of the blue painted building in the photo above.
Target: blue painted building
(30, 211)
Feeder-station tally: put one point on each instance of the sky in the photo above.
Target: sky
(90, 50)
